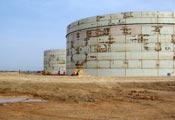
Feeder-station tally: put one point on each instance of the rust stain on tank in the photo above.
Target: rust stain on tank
(97, 32)
(126, 30)
(127, 15)
(158, 46)
(157, 28)
(173, 39)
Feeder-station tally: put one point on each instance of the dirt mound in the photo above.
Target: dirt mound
(87, 91)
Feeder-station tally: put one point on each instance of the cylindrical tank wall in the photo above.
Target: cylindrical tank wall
(124, 44)
(55, 61)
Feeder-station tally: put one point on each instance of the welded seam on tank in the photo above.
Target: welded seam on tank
(121, 25)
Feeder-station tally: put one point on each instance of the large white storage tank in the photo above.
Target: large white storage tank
(123, 44)
(55, 61)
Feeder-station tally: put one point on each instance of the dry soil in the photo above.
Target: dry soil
(88, 98)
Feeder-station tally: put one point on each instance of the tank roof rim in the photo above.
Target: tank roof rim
(119, 13)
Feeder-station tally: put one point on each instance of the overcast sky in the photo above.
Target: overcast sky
(28, 27)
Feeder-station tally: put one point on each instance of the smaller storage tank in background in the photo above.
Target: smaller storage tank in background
(55, 61)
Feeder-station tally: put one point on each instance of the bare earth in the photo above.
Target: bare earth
(88, 98)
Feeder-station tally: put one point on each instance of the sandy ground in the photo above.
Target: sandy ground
(88, 98)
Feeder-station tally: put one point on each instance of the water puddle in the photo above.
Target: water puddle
(18, 99)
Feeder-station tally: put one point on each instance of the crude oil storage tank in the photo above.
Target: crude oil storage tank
(123, 44)
(55, 61)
